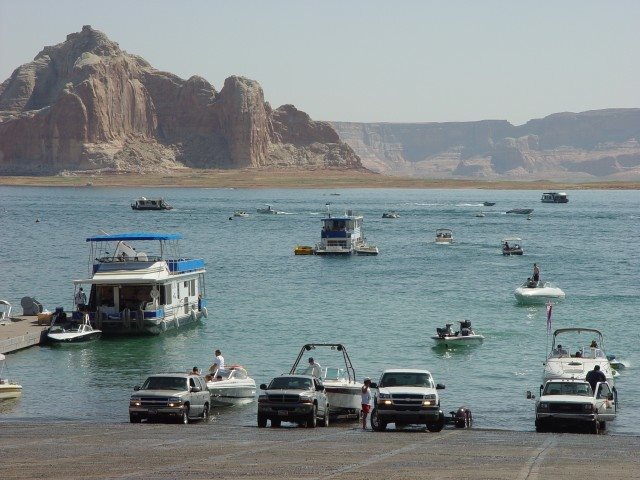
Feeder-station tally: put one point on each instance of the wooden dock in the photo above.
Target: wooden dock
(20, 332)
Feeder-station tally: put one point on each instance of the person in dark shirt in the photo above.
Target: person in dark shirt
(595, 376)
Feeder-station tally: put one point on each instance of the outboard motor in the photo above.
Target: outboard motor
(445, 332)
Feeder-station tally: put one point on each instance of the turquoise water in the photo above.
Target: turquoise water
(264, 302)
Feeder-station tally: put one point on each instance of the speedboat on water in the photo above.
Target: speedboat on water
(73, 330)
(136, 291)
(488, 204)
(444, 236)
(465, 336)
(240, 213)
(231, 386)
(8, 389)
(617, 364)
(512, 246)
(143, 203)
(555, 197)
(391, 214)
(268, 210)
(344, 392)
(531, 292)
(574, 353)
(521, 211)
(342, 235)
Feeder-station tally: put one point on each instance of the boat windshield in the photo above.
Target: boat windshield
(406, 379)
(332, 373)
(566, 388)
(590, 352)
(165, 383)
(290, 383)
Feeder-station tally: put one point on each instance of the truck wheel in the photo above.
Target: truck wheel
(324, 422)
(276, 422)
(185, 415)
(134, 418)
(540, 426)
(377, 424)
(438, 425)
(595, 427)
(205, 413)
(312, 420)
(262, 421)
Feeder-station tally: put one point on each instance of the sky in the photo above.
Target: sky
(369, 61)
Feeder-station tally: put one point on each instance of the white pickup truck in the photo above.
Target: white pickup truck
(572, 402)
(407, 396)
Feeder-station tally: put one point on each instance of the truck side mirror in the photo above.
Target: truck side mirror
(263, 386)
(196, 389)
(319, 388)
(440, 386)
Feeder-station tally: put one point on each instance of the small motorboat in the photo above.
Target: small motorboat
(521, 211)
(344, 392)
(555, 197)
(143, 203)
(240, 213)
(268, 210)
(512, 246)
(444, 236)
(64, 330)
(8, 389)
(617, 364)
(480, 214)
(303, 250)
(532, 293)
(488, 204)
(231, 386)
(391, 214)
(365, 249)
(465, 336)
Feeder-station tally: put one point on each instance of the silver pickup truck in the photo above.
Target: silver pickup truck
(179, 396)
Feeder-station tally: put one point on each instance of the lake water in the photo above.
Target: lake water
(265, 303)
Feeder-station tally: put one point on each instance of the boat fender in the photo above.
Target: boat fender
(205, 312)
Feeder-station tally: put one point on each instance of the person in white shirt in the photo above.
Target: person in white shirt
(366, 401)
(218, 363)
(81, 300)
(314, 367)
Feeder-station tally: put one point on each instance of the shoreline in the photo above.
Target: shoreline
(294, 179)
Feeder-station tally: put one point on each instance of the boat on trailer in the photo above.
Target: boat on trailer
(136, 291)
(231, 386)
(344, 392)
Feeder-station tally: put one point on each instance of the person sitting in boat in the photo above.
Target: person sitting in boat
(578, 354)
(531, 283)
(506, 246)
(560, 351)
(594, 344)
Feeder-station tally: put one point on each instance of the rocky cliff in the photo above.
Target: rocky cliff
(594, 145)
(87, 105)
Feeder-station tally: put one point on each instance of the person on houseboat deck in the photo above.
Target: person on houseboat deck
(81, 300)
(314, 367)
(536, 273)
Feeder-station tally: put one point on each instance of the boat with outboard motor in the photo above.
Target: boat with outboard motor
(143, 203)
(391, 214)
(342, 235)
(561, 363)
(344, 392)
(521, 211)
(512, 246)
(531, 292)
(8, 388)
(230, 386)
(444, 236)
(65, 330)
(240, 213)
(269, 210)
(142, 292)
(465, 336)
(554, 197)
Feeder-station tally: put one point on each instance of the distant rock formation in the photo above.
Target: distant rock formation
(593, 145)
(86, 105)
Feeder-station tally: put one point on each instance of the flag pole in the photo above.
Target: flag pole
(549, 310)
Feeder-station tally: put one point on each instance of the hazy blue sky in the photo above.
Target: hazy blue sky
(394, 61)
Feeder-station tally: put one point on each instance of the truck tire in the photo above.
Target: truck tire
(376, 423)
(438, 425)
(276, 422)
(134, 418)
(541, 426)
(262, 421)
(185, 415)
(324, 422)
(312, 420)
(205, 413)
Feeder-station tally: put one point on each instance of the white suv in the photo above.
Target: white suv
(407, 396)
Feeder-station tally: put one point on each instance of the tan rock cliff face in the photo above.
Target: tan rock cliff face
(87, 105)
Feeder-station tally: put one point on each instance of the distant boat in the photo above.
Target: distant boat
(240, 213)
(268, 210)
(553, 197)
(444, 236)
(488, 204)
(143, 203)
(391, 214)
(521, 211)
(8, 389)
(480, 214)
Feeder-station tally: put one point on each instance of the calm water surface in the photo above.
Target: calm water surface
(264, 302)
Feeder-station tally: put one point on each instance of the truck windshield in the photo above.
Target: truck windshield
(292, 383)
(165, 383)
(405, 379)
(562, 388)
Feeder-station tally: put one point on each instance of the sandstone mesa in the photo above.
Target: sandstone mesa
(85, 105)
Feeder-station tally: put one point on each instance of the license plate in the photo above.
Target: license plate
(283, 413)
(153, 412)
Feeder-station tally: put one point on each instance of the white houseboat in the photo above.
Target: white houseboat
(135, 291)
(553, 197)
(342, 235)
(143, 203)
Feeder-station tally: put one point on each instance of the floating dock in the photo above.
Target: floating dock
(20, 332)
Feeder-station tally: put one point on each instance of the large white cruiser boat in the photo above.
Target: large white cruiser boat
(142, 292)
(574, 353)
(342, 235)
(344, 393)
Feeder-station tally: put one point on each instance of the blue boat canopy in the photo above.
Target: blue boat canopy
(117, 237)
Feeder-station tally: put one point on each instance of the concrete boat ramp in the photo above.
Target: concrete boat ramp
(218, 450)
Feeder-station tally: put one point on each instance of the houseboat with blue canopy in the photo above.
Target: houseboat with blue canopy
(135, 290)
(342, 235)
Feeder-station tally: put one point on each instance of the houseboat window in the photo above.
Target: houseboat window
(104, 296)
(192, 288)
(165, 295)
(135, 297)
